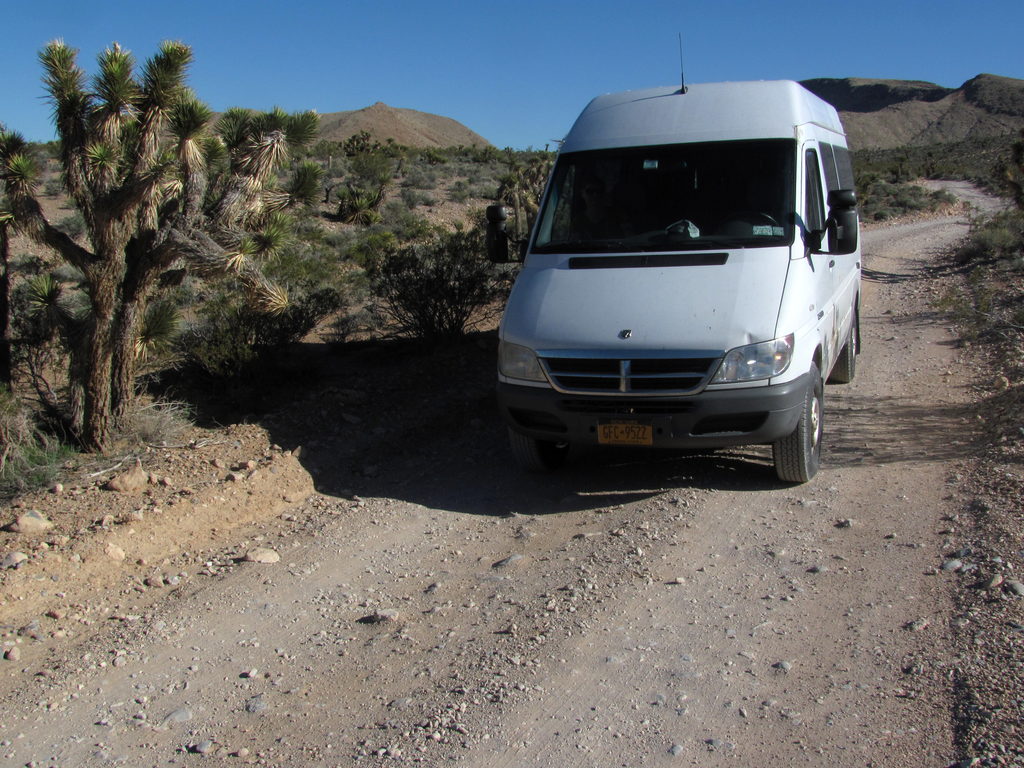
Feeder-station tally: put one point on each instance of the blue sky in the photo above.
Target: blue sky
(517, 72)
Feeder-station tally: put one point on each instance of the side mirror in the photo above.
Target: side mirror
(496, 237)
(843, 229)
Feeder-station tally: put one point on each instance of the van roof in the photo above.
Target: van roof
(761, 109)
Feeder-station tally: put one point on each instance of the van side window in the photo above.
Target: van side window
(814, 204)
(836, 164)
(844, 167)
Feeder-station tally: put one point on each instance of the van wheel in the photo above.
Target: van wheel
(846, 364)
(537, 455)
(798, 455)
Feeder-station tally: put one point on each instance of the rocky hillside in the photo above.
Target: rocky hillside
(884, 114)
(406, 126)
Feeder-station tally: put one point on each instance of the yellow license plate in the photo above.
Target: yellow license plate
(625, 433)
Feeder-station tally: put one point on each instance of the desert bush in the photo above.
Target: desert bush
(433, 156)
(485, 191)
(420, 178)
(363, 143)
(976, 160)
(987, 305)
(158, 423)
(232, 339)
(340, 241)
(369, 250)
(880, 199)
(414, 198)
(73, 225)
(1012, 172)
(28, 457)
(458, 192)
(998, 240)
(371, 170)
(351, 322)
(435, 289)
(404, 224)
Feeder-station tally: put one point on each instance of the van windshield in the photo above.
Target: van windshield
(673, 197)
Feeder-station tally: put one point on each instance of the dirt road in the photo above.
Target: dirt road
(433, 605)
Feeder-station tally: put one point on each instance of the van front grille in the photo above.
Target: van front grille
(652, 376)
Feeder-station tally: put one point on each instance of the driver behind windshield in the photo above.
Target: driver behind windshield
(596, 217)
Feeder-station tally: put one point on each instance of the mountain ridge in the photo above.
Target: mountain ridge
(877, 114)
(884, 114)
(408, 127)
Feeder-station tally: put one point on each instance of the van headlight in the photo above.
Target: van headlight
(518, 362)
(755, 361)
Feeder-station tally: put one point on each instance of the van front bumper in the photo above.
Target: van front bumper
(711, 419)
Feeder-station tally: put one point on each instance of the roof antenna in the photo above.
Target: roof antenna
(682, 75)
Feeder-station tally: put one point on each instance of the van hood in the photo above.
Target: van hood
(645, 310)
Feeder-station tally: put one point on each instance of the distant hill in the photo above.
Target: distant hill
(405, 126)
(883, 114)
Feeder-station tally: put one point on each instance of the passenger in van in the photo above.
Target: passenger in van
(596, 218)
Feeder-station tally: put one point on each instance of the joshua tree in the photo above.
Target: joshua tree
(5, 299)
(157, 187)
(6, 220)
(522, 187)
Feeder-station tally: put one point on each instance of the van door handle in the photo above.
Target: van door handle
(831, 263)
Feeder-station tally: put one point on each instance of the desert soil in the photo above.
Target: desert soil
(363, 576)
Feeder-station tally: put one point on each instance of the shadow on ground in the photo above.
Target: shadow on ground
(886, 430)
(391, 419)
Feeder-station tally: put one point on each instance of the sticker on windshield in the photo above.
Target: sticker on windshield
(767, 230)
(650, 165)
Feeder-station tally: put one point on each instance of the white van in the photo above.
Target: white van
(691, 281)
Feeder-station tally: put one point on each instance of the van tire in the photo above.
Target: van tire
(846, 364)
(537, 455)
(798, 455)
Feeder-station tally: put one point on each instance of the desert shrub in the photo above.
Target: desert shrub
(881, 199)
(485, 191)
(370, 249)
(229, 339)
(73, 225)
(340, 241)
(458, 192)
(421, 178)
(370, 175)
(414, 198)
(158, 423)
(999, 239)
(308, 229)
(370, 170)
(975, 159)
(403, 223)
(351, 322)
(433, 290)
(433, 156)
(29, 458)
(363, 142)
(232, 340)
(987, 305)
